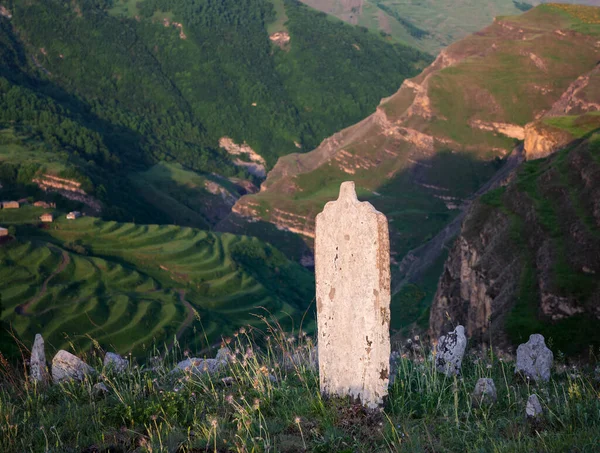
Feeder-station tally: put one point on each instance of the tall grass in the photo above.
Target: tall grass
(267, 399)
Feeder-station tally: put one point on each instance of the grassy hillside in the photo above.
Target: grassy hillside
(131, 286)
(431, 145)
(429, 25)
(266, 406)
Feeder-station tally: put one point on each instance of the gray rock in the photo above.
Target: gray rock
(38, 371)
(534, 408)
(199, 366)
(100, 390)
(450, 351)
(534, 359)
(484, 393)
(223, 355)
(115, 362)
(65, 367)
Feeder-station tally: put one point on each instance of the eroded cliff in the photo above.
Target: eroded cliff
(528, 257)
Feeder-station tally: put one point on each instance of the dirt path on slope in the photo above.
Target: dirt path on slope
(188, 320)
(23, 308)
(416, 262)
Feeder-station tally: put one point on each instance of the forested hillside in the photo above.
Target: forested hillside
(113, 87)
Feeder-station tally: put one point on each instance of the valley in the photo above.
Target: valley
(200, 141)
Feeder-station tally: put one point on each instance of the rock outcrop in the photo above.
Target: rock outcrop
(533, 408)
(199, 366)
(534, 359)
(115, 362)
(66, 367)
(542, 140)
(38, 371)
(69, 189)
(484, 393)
(532, 243)
(450, 351)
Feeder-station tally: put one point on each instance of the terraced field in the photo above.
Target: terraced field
(131, 286)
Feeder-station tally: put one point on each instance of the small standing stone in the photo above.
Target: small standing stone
(534, 407)
(450, 351)
(484, 393)
(65, 366)
(115, 362)
(352, 267)
(37, 365)
(534, 359)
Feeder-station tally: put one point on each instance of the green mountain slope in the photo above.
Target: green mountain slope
(131, 286)
(113, 91)
(526, 260)
(430, 146)
(429, 25)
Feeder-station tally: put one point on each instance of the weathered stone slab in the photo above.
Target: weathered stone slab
(450, 351)
(484, 393)
(533, 408)
(66, 367)
(352, 265)
(534, 359)
(115, 362)
(38, 371)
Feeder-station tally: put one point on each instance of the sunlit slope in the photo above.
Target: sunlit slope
(429, 25)
(442, 135)
(131, 286)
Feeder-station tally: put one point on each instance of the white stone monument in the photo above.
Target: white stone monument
(352, 265)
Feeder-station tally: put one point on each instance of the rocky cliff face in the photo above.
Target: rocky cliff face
(542, 140)
(69, 189)
(528, 256)
(544, 136)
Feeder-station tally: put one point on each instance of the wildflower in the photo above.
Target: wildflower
(417, 338)
(213, 422)
(256, 405)
(242, 330)
(297, 420)
(153, 417)
(187, 353)
(229, 398)
(488, 366)
(227, 340)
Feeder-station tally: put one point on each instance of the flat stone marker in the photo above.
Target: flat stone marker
(352, 266)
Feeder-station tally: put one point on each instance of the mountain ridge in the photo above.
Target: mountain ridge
(455, 110)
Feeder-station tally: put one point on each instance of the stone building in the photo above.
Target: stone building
(10, 205)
